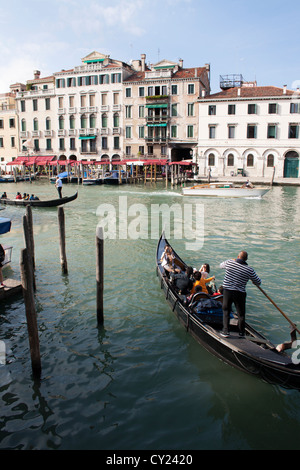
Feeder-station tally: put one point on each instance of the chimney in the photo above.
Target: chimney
(143, 57)
(203, 93)
(239, 91)
(181, 63)
(284, 89)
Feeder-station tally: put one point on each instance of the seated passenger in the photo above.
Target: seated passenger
(182, 280)
(219, 291)
(204, 270)
(25, 197)
(167, 260)
(4, 196)
(18, 196)
(201, 281)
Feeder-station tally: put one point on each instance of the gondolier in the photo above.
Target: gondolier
(238, 273)
(58, 185)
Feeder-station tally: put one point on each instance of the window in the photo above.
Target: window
(128, 92)
(35, 124)
(212, 132)
(48, 144)
(174, 90)
(212, 110)
(150, 90)
(116, 120)
(104, 143)
(191, 109)
(230, 160)
(12, 123)
(72, 144)
(231, 132)
(150, 149)
(116, 98)
(141, 150)
(252, 109)
(270, 161)
(12, 142)
(293, 131)
(294, 108)
(174, 111)
(231, 109)
(61, 144)
(141, 111)
(36, 145)
(128, 132)
(141, 132)
(116, 143)
(48, 124)
(104, 120)
(92, 121)
(35, 105)
(60, 102)
(128, 150)
(72, 122)
(251, 131)
(191, 89)
(273, 108)
(83, 122)
(23, 125)
(116, 78)
(61, 122)
(141, 91)
(250, 160)
(47, 104)
(1, 142)
(128, 112)
(103, 79)
(272, 131)
(1, 124)
(174, 132)
(211, 159)
(23, 106)
(190, 131)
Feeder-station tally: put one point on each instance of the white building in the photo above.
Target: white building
(250, 130)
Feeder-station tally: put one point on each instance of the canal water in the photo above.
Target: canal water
(142, 382)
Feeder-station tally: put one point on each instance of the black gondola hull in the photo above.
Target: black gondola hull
(39, 203)
(242, 354)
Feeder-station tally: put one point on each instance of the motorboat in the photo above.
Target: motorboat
(225, 190)
(5, 226)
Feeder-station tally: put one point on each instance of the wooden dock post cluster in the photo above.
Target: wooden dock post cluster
(27, 265)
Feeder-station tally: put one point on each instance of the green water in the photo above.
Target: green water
(142, 382)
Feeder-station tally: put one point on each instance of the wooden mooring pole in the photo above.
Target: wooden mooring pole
(28, 245)
(100, 274)
(28, 294)
(62, 240)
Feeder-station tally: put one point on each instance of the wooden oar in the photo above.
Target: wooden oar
(282, 313)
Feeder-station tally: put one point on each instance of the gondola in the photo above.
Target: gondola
(253, 354)
(39, 203)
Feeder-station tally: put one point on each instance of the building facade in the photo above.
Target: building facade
(106, 109)
(250, 130)
(9, 135)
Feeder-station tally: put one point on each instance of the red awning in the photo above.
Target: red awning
(17, 161)
(59, 162)
(183, 162)
(43, 160)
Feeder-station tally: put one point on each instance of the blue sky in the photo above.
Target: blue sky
(258, 39)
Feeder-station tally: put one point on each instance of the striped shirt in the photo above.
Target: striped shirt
(238, 274)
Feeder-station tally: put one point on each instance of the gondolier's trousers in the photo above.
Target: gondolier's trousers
(239, 300)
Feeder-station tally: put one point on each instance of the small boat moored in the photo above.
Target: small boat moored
(5, 226)
(253, 354)
(39, 203)
(224, 190)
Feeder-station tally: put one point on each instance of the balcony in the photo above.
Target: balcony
(48, 133)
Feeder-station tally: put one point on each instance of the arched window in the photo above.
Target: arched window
(211, 159)
(23, 125)
(250, 160)
(35, 124)
(83, 121)
(104, 120)
(61, 122)
(230, 160)
(116, 120)
(72, 122)
(270, 161)
(92, 121)
(48, 124)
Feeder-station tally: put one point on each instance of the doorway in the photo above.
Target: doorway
(291, 165)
